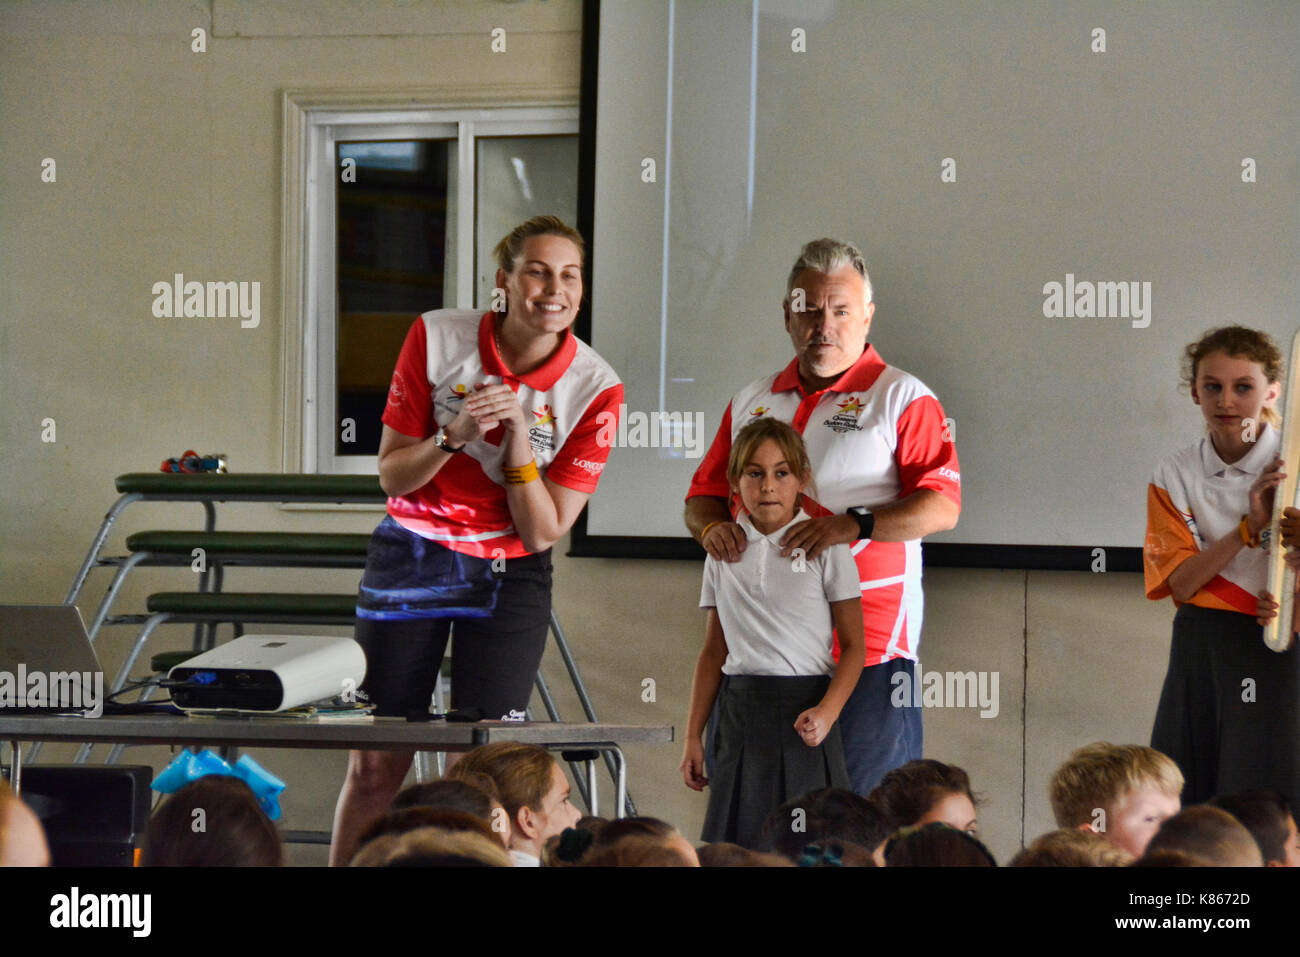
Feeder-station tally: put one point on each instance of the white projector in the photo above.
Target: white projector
(262, 673)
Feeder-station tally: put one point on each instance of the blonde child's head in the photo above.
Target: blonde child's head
(762, 430)
(769, 470)
(1122, 791)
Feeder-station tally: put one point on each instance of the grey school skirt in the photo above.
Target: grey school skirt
(1229, 712)
(760, 760)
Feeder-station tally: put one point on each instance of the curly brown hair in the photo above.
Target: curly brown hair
(1240, 343)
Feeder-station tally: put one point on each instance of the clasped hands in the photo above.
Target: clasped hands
(484, 409)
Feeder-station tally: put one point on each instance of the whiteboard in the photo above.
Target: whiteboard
(1067, 164)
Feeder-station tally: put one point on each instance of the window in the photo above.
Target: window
(400, 211)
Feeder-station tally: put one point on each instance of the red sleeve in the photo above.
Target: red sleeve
(579, 462)
(926, 453)
(410, 397)
(711, 477)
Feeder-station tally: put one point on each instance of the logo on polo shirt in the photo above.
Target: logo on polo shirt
(397, 391)
(449, 402)
(591, 468)
(542, 435)
(951, 474)
(758, 410)
(846, 419)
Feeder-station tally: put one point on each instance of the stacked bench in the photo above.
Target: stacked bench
(210, 606)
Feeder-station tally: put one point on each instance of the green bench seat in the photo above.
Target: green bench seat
(252, 606)
(232, 545)
(253, 486)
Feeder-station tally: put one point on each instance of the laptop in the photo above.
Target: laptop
(47, 664)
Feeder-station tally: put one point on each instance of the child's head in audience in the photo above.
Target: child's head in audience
(533, 790)
(215, 821)
(936, 845)
(768, 468)
(643, 830)
(639, 850)
(567, 848)
(724, 854)
(1169, 859)
(414, 818)
(1267, 816)
(927, 792)
(431, 847)
(827, 814)
(22, 839)
(627, 842)
(1122, 791)
(1072, 847)
(830, 852)
(474, 794)
(1210, 834)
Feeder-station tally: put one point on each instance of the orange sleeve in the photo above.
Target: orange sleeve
(1168, 544)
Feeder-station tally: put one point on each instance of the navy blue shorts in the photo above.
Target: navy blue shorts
(878, 736)
(498, 645)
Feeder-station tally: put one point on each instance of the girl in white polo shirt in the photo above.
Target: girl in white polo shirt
(768, 650)
(1228, 711)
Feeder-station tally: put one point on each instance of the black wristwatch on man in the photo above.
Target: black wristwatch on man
(866, 521)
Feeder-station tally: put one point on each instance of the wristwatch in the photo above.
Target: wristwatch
(866, 521)
(440, 440)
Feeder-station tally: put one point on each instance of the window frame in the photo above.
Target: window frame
(314, 123)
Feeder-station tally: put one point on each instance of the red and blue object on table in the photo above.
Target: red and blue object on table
(191, 463)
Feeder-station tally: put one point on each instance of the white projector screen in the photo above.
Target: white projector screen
(976, 152)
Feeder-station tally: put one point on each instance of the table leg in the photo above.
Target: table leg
(591, 789)
(16, 766)
(620, 792)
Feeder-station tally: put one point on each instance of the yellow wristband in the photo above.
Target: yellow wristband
(522, 475)
(705, 531)
(1246, 538)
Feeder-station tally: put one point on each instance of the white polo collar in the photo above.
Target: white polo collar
(1252, 463)
(753, 534)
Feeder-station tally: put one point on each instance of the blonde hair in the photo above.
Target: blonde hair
(1239, 343)
(1072, 847)
(1100, 774)
(507, 251)
(746, 444)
